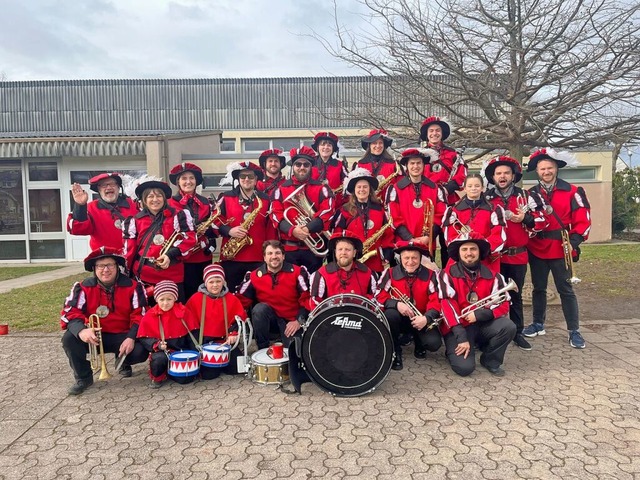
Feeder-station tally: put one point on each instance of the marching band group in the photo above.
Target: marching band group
(288, 243)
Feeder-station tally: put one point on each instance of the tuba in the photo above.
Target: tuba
(300, 213)
(95, 351)
(234, 245)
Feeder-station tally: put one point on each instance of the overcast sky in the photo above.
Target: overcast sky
(90, 39)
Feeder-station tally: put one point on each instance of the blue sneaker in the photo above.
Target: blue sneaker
(534, 329)
(575, 339)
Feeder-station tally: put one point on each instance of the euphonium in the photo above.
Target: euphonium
(234, 245)
(300, 213)
(383, 184)
(367, 247)
(101, 364)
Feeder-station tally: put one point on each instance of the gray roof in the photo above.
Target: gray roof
(42, 107)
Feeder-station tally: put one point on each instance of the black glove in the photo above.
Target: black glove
(575, 240)
(452, 187)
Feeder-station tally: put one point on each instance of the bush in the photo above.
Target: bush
(626, 199)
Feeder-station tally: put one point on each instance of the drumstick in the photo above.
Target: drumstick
(120, 362)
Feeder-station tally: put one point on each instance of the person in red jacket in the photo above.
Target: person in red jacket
(568, 213)
(271, 162)
(318, 208)
(414, 199)
(119, 302)
(461, 284)
(187, 177)
(101, 219)
(447, 170)
(408, 293)
(277, 293)
(327, 168)
(217, 310)
(343, 273)
(364, 215)
(523, 216)
(379, 161)
(158, 238)
(167, 327)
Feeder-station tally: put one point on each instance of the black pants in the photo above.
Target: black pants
(492, 337)
(265, 321)
(304, 258)
(193, 277)
(444, 254)
(540, 269)
(235, 271)
(430, 340)
(517, 274)
(77, 351)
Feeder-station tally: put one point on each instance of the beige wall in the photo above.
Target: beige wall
(166, 152)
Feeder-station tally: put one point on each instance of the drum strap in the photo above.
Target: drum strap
(226, 320)
(197, 345)
(202, 312)
(162, 338)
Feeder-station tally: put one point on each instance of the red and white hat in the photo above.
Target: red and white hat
(234, 170)
(213, 270)
(495, 162)
(357, 174)
(332, 137)
(402, 245)
(426, 154)
(93, 181)
(165, 286)
(374, 135)
(273, 152)
(352, 237)
(433, 120)
(305, 153)
(181, 168)
(103, 252)
(562, 159)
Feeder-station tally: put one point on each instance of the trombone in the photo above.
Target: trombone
(95, 351)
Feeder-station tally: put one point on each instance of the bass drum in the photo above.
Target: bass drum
(347, 348)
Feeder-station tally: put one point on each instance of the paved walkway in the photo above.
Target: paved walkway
(66, 270)
(558, 413)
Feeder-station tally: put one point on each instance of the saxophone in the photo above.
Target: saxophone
(234, 245)
(383, 184)
(367, 247)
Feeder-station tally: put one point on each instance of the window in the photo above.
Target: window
(580, 174)
(43, 171)
(286, 144)
(45, 249)
(45, 210)
(213, 181)
(228, 145)
(256, 145)
(11, 200)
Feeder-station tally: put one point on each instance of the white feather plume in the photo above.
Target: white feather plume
(355, 173)
(563, 156)
(228, 178)
(129, 183)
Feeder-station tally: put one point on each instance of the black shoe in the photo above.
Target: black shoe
(405, 339)
(397, 362)
(126, 371)
(80, 386)
(521, 342)
(420, 353)
(497, 371)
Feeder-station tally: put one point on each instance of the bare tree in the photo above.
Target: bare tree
(511, 74)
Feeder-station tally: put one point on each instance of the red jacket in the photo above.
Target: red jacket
(101, 221)
(200, 209)
(318, 195)
(571, 205)
(515, 251)
(143, 238)
(233, 213)
(440, 171)
(454, 286)
(126, 303)
(332, 174)
(421, 288)
(214, 325)
(172, 323)
(286, 291)
(332, 280)
(381, 169)
(408, 220)
(372, 214)
(269, 185)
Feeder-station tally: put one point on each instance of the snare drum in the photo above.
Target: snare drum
(347, 349)
(185, 363)
(269, 371)
(215, 355)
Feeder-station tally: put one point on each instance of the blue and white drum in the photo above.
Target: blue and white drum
(185, 363)
(215, 355)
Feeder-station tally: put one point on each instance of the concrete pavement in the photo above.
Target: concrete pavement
(65, 270)
(558, 413)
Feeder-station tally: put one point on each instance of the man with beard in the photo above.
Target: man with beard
(326, 168)
(272, 162)
(463, 283)
(523, 214)
(297, 236)
(409, 294)
(278, 293)
(119, 303)
(101, 219)
(343, 274)
(568, 215)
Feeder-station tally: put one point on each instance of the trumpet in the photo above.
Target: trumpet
(568, 259)
(523, 207)
(398, 295)
(95, 351)
(495, 298)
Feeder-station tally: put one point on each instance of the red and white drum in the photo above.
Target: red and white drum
(185, 363)
(215, 355)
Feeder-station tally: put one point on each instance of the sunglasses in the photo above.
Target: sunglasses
(302, 164)
(250, 176)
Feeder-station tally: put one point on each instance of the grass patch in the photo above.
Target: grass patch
(37, 308)
(619, 254)
(7, 273)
